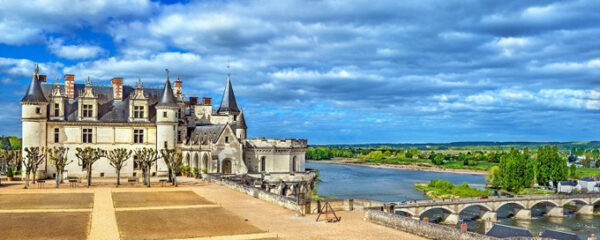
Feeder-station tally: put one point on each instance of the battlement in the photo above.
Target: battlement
(262, 142)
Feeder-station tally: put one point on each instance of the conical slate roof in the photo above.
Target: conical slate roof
(34, 92)
(228, 103)
(167, 98)
(241, 123)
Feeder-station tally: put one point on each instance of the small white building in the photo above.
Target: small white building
(566, 186)
(589, 184)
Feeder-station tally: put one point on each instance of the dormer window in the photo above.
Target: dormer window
(56, 109)
(87, 111)
(226, 139)
(138, 112)
(38, 110)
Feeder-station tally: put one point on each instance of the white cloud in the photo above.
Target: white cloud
(73, 51)
(510, 45)
(572, 66)
(25, 67)
(23, 23)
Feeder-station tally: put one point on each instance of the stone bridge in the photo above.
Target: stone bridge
(488, 208)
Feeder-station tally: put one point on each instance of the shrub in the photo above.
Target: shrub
(185, 170)
(195, 172)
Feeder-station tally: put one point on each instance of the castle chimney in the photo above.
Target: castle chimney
(117, 86)
(70, 86)
(42, 78)
(177, 87)
(206, 101)
(193, 100)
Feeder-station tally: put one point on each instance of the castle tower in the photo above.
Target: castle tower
(34, 106)
(166, 122)
(228, 103)
(241, 128)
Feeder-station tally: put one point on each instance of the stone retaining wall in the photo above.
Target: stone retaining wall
(428, 230)
(283, 201)
(424, 229)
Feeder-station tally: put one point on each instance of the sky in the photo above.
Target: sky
(332, 71)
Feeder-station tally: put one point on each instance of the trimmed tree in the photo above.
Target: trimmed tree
(146, 157)
(174, 160)
(58, 156)
(87, 157)
(33, 158)
(117, 159)
(4, 159)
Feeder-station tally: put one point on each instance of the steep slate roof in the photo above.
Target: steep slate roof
(241, 122)
(568, 183)
(109, 110)
(34, 93)
(167, 98)
(590, 179)
(203, 134)
(228, 103)
(559, 235)
(503, 231)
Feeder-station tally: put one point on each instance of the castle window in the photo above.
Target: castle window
(138, 136)
(179, 136)
(294, 164)
(86, 135)
(263, 164)
(165, 114)
(234, 117)
(56, 135)
(38, 110)
(138, 112)
(56, 110)
(226, 139)
(166, 146)
(87, 110)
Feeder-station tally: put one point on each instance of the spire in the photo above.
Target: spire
(167, 99)
(228, 103)
(241, 123)
(34, 92)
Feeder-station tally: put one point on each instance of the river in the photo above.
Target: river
(394, 185)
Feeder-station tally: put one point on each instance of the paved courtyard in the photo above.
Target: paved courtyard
(198, 211)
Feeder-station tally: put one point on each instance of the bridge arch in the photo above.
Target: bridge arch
(480, 205)
(555, 204)
(575, 201)
(510, 203)
(443, 208)
(595, 201)
(404, 212)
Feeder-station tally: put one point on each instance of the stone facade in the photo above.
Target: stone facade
(117, 116)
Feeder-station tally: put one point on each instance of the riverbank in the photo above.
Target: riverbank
(357, 162)
(439, 190)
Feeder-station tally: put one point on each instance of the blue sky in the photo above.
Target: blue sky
(332, 71)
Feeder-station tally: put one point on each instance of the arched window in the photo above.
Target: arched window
(263, 164)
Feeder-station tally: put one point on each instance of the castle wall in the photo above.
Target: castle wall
(228, 148)
(279, 155)
(105, 137)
